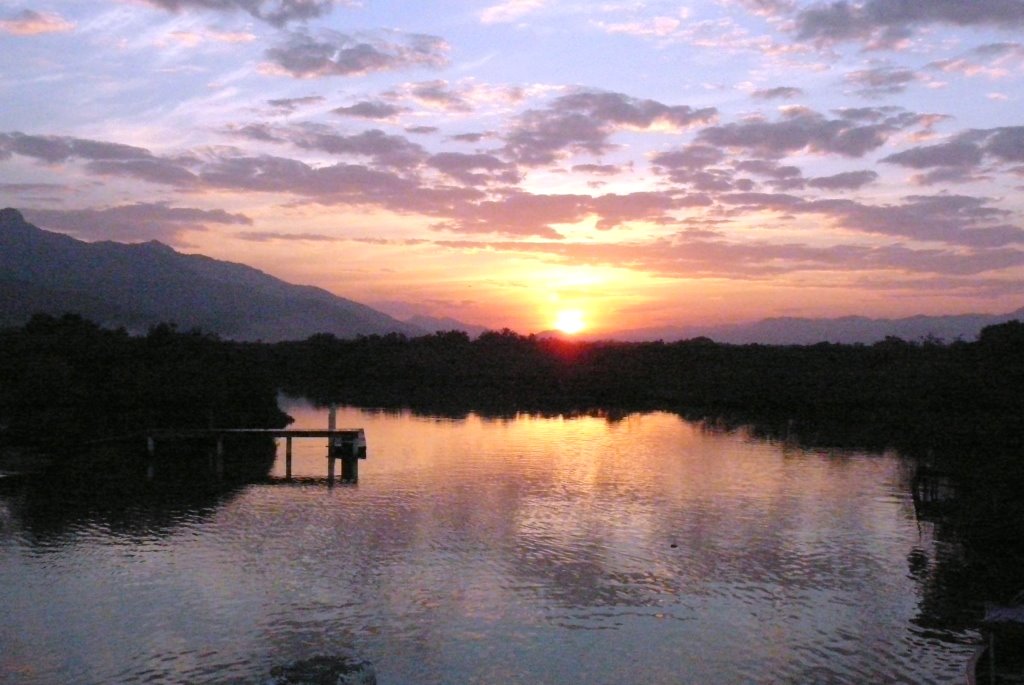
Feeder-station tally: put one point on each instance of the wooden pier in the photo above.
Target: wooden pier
(345, 444)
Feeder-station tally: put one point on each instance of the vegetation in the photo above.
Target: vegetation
(64, 381)
(69, 377)
(925, 394)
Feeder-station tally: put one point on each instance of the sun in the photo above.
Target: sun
(570, 321)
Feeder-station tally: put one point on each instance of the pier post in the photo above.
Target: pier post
(288, 458)
(349, 469)
(151, 459)
(332, 424)
(218, 464)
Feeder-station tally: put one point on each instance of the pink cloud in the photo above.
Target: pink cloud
(32, 23)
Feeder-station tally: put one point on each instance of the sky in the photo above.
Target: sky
(527, 163)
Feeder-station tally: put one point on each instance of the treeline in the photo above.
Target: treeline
(892, 391)
(68, 376)
(64, 381)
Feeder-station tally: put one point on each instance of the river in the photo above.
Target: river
(589, 549)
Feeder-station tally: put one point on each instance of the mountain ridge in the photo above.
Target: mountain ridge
(851, 329)
(140, 285)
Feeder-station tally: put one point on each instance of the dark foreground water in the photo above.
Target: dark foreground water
(531, 550)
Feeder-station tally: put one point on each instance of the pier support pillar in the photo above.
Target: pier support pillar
(150, 457)
(330, 469)
(349, 469)
(288, 458)
(218, 459)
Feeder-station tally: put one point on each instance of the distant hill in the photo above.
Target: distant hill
(847, 329)
(139, 285)
(434, 324)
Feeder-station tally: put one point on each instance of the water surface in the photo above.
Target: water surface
(640, 549)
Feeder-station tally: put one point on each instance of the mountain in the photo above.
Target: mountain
(847, 329)
(434, 324)
(139, 285)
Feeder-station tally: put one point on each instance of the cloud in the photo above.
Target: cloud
(465, 95)
(60, 148)
(690, 166)
(698, 255)
(110, 159)
(274, 236)
(265, 133)
(778, 93)
(952, 219)
(518, 213)
(768, 168)
(508, 11)
(155, 170)
(276, 12)
(348, 184)
(385, 150)
(801, 129)
(31, 187)
(289, 105)
(194, 38)
(848, 180)
(881, 81)
(993, 60)
(689, 158)
(32, 23)
(474, 169)
(440, 94)
(526, 214)
(1006, 143)
(884, 23)
(583, 121)
(337, 54)
(956, 153)
(447, 189)
(369, 110)
(475, 137)
(598, 169)
(134, 222)
(959, 159)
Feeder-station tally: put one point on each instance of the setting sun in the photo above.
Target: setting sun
(570, 321)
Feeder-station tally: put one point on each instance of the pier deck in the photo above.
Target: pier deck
(346, 444)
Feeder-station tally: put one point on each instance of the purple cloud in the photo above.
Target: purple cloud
(802, 129)
(336, 54)
(959, 159)
(881, 81)
(276, 12)
(778, 93)
(848, 180)
(583, 122)
(369, 110)
(135, 222)
(956, 153)
(289, 105)
(886, 22)
(474, 169)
